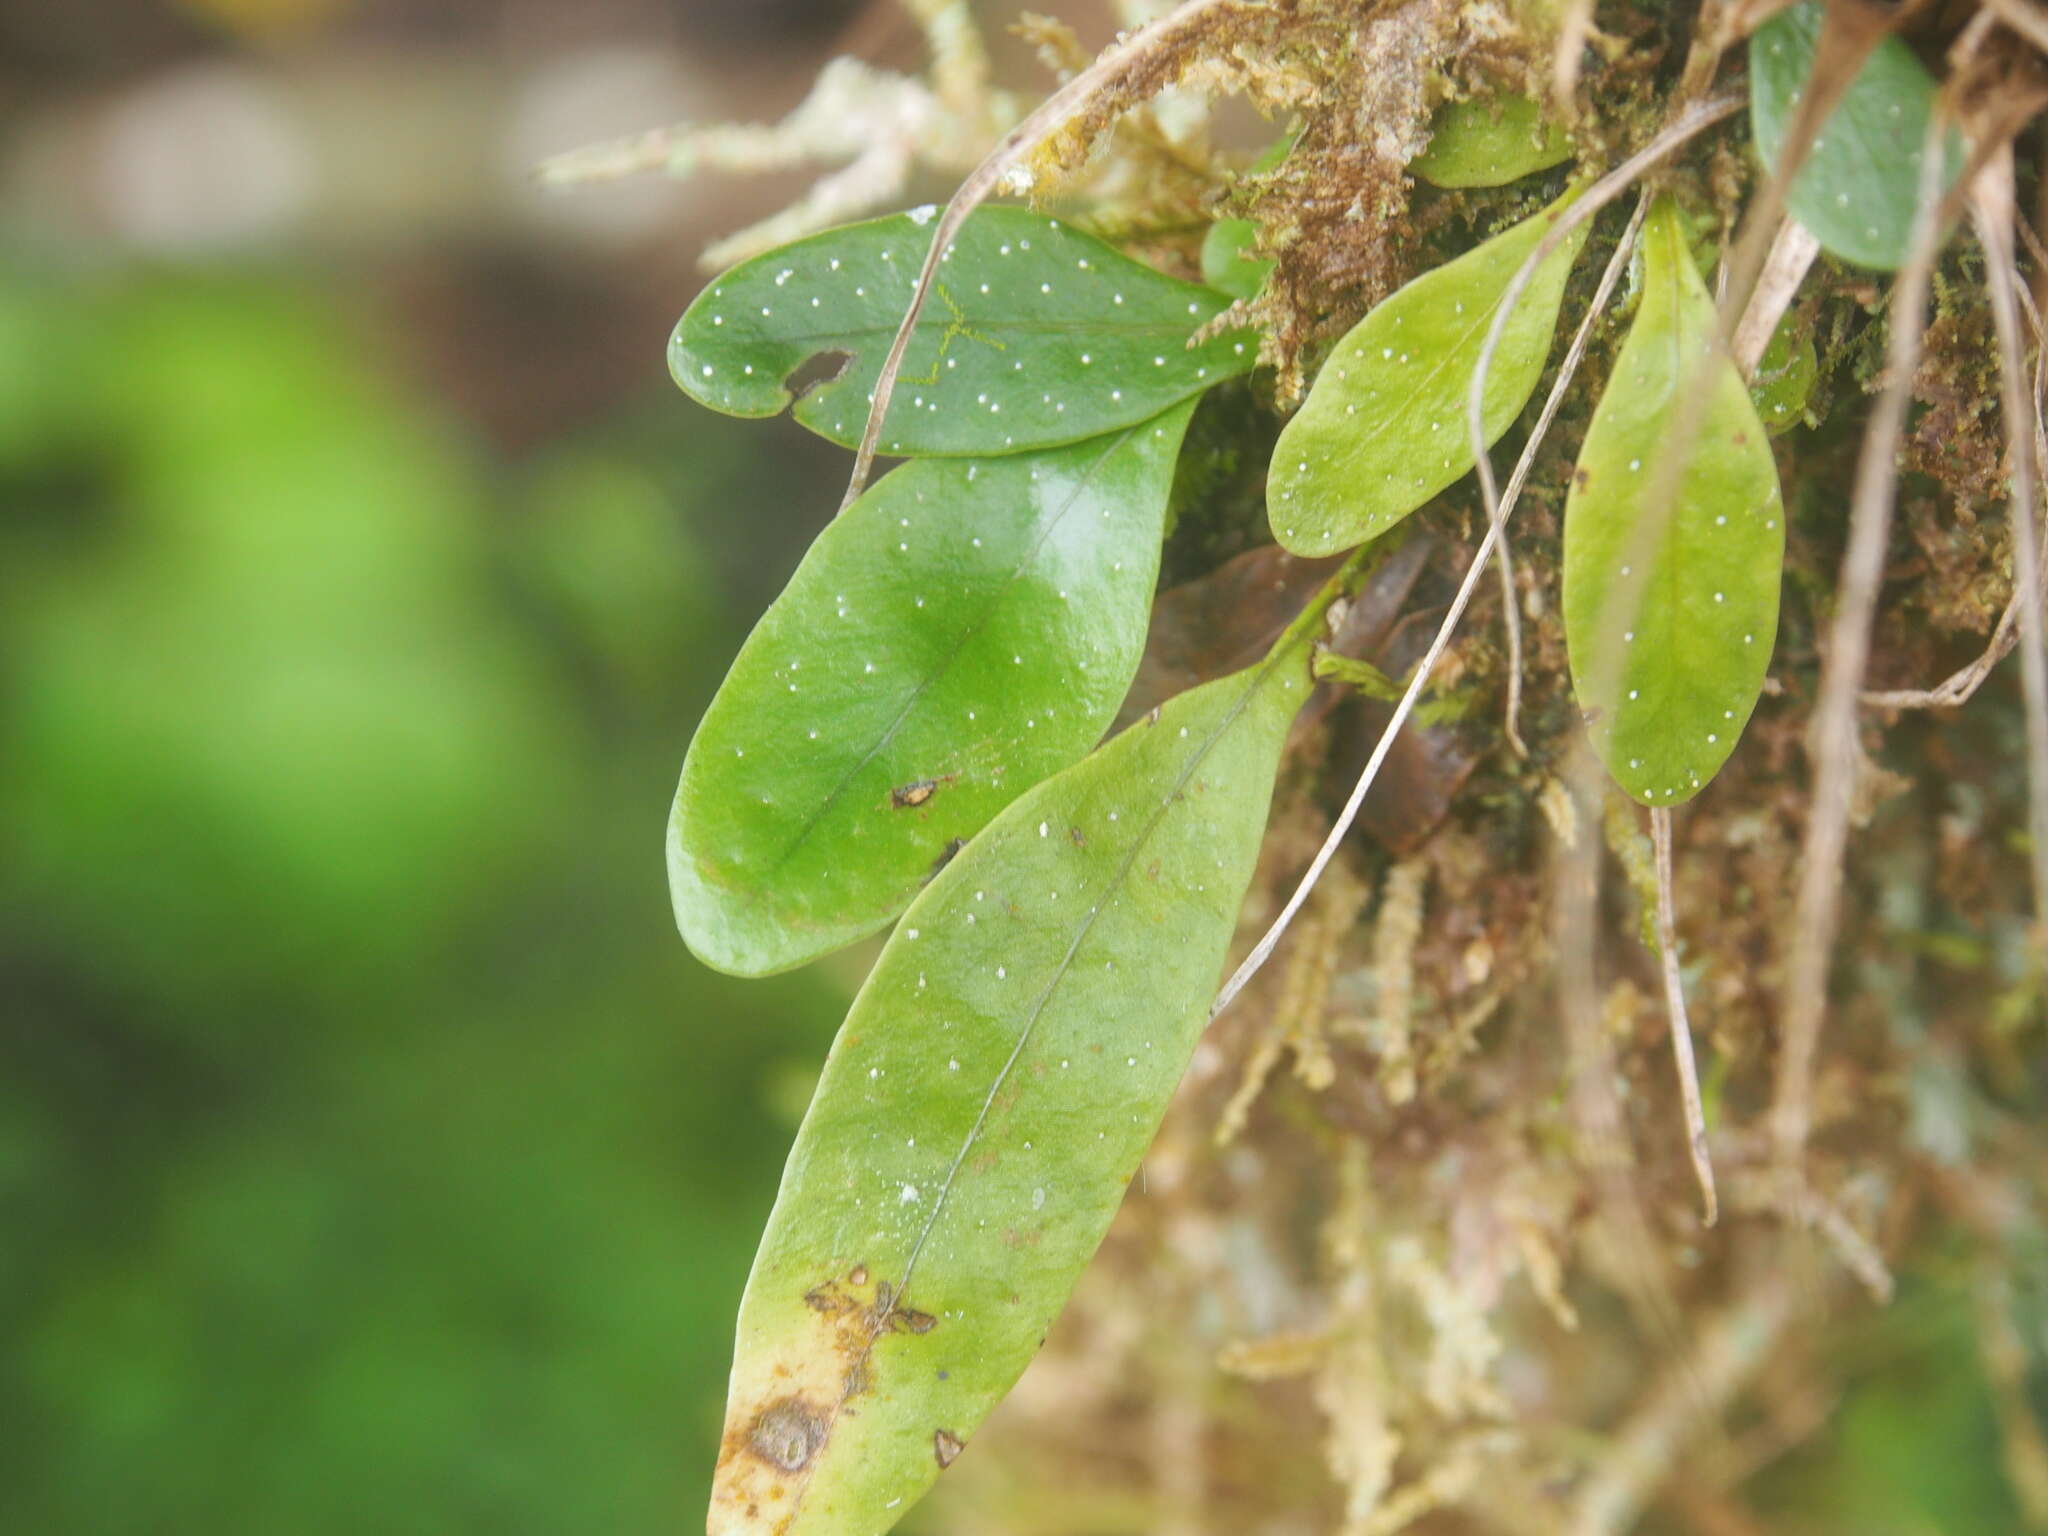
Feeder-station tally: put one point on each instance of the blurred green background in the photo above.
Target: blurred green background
(372, 1155)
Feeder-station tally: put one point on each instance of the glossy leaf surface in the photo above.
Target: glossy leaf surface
(988, 1098)
(1034, 335)
(1383, 430)
(1490, 142)
(961, 631)
(1669, 688)
(1859, 185)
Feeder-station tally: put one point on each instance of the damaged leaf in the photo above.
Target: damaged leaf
(990, 1095)
(1383, 430)
(1034, 335)
(1489, 142)
(921, 670)
(1668, 689)
(1859, 186)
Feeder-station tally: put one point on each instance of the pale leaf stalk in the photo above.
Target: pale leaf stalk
(1680, 1024)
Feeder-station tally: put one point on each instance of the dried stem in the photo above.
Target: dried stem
(1681, 1025)
(1730, 1349)
(1496, 520)
(1993, 208)
(1834, 725)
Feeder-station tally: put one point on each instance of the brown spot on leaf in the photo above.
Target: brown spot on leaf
(858, 1275)
(946, 1446)
(907, 796)
(910, 1320)
(946, 855)
(788, 1434)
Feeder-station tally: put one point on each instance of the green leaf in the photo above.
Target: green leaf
(1034, 335)
(1667, 707)
(988, 1098)
(1489, 142)
(962, 630)
(1785, 376)
(1383, 429)
(1859, 185)
(1230, 263)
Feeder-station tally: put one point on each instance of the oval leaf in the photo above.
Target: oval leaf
(990, 1095)
(1668, 702)
(1034, 335)
(1383, 430)
(1858, 188)
(1489, 142)
(1230, 260)
(961, 631)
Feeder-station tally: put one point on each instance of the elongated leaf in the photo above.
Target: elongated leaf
(1860, 184)
(1667, 706)
(1035, 335)
(962, 630)
(1489, 142)
(990, 1095)
(1383, 430)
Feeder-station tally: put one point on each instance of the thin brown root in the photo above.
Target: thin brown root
(1681, 1026)
(2027, 20)
(1856, 1253)
(1994, 200)
(1020, 141)
(1496, 520)
(1963, 683)
(1729, 1351)
(1597, 196)
(1689, 123)
(1834, 740)
(1602, 1133)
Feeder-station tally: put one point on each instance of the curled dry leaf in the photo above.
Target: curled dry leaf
(1670, 628)
(1035, 335)
(920, 671)
(1383, 429)
(990, 1095)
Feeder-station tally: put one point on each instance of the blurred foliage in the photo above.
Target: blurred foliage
(372, 1157)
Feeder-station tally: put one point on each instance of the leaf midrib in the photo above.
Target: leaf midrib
(1064, 966)
(932, 679)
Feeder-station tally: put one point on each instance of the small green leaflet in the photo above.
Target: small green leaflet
(1034, 335)
(991, 1093)
(961, 631)
(1785, 377)
(1489, 142)
(1229, 260)
(1669, 693)
(1383, 430)
(1859, 185)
